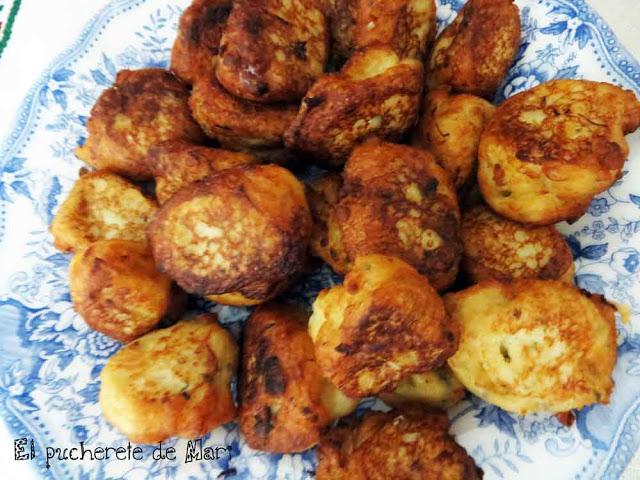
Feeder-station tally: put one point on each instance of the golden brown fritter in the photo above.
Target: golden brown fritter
(118, 290)
(101, 206)
(407, 26)
(281, 385)
(534, 345)
(549, 150)
(236, 123)
(273, 50)
(341, 17)
(171, 382)
(143, 108)
(323, 194)
(407, 444)
(384, 323)
(376, 93)
(474, 53)
(439, 388)
(499, 249)
(395, 201)
(242, 232)
(450, 128)
(177, 164)
(195, 49)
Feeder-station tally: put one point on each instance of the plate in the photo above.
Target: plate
(50, 360)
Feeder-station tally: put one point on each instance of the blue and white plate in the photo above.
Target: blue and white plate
(50, 360)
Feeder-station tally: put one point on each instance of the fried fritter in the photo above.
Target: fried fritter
(242, 233)
(273, 50)
(118, 290)
(408, 444)
(439, 388)
(474, 53)
(323, 194)
(101, 206)
(236, 123)
(376, 93)
(341, 16)
(407, 26)
(176, 164)
(548, 151)
(384, 323)
(395, 201)
(534, 345)
(171, 382)
(143, 108)
(450, 128)
(195, 49)
(499, 249)
(281, 386)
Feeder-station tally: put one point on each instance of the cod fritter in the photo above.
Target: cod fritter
(450, 128)
(548, 151)
(118, 291)
(407, 26)
(534, 345)
(376, 93)
(283, 407)
(195, 49)
(439, 388)
(143, 108)
(177, 164)
(171, 382)
(323, 194)
(240, 235)
(384, 323)
(474, 53)
(101, 206)
(395, 201)
(273, 50)
(499, 249)
(236, 123)
(341, 17)
(407, 444)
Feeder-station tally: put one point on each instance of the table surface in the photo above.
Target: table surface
(59, 29)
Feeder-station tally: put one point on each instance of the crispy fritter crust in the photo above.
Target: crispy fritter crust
(242, 231)
(408, 444)
(534, 345)
(549, 150)
(341, 15)
(450, 128)
(281, 385)
(118, 290)
(177, 164)
(395, 201)
(384, 323)
(323, 194)
(171, 382)
(407, 26)
(273, 50)
(101, 206)
(439, 388)
(376, 93)
(236, 123)
(499, 249)
(195, 50)
(473, 54)
(143, 108)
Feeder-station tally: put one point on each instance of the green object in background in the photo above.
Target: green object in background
(6, 22)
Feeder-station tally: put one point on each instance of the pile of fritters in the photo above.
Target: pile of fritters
(430, 190)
